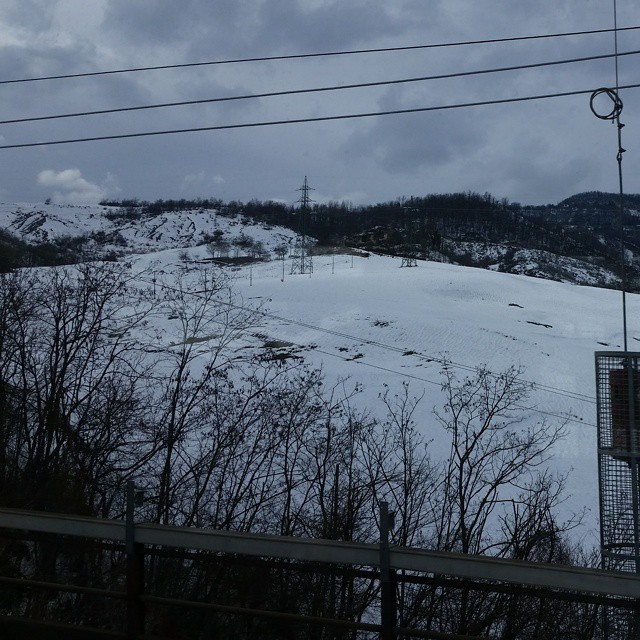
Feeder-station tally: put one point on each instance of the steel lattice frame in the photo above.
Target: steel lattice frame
(618, 388)
(301, 260)
(618, 406)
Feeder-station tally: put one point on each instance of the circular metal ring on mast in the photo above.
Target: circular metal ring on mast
(616, 108)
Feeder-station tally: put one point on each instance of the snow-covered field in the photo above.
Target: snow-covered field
(372, 322)
(368, 320)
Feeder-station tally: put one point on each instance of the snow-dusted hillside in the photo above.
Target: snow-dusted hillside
(107, 230)
(533, 262)
(369, 321)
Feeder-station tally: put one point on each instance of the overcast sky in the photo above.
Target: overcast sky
(534, 153)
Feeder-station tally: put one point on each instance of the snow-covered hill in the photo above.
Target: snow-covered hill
(100, 230)
(372, 322)
(367, 320)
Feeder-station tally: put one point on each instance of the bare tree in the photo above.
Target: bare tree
(281, 251)
(207, 323)
(90, 395)
(493, 453)
(495, 495)
(71, 364)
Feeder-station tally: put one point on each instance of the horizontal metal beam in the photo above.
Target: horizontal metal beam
(517, 572)
(64, 525)
(334, 552)
(253, 544)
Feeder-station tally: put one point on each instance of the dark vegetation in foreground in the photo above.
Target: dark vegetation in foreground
(88, 400)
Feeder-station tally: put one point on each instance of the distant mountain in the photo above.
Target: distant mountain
(600, 201)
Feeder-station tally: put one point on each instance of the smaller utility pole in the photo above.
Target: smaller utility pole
(135, 566)
(387, 578)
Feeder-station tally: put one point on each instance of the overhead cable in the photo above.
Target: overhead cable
(360, 85)
(314, 55)
(404, 374)
(270, 123)
(283, 321)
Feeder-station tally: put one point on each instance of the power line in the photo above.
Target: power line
(401, 350)
(269, 123)
(412, 376)
(314, 55)
(290, 92)
(404, 374)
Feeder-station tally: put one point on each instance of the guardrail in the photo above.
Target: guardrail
(594, 585)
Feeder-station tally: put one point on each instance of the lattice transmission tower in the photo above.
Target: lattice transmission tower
(301, 261)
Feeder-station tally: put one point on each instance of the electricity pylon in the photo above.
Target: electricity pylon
(301, 261)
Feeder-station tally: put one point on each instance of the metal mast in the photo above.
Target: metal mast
(618, 402)
(301, 261)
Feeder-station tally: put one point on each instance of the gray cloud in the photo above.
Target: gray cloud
(31, 15)
(408, 143)
(70, 187)
(237, 25)
(538, 151)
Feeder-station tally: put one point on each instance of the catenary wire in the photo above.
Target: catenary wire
(443, 361)
(290, 92)
(315, 55)
(439, 384)
(393, 371)
(270, 123)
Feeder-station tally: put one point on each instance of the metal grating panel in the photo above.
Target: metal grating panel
(617, 387)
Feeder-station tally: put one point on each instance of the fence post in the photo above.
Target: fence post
(387, 581)
(135, 570)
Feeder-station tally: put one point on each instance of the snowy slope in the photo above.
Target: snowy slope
(42, 222)
(368, 320)
(112, 229)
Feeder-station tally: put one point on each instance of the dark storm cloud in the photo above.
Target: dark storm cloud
(241, 25)
(532, 152)
(410, 142)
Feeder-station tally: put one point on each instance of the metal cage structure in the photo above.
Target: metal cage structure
(618, 406)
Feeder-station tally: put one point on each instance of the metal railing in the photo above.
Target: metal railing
(386, 565)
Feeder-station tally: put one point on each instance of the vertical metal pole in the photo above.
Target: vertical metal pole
(633, 462)
(602, 373)
(387, 583)
(333, 633)
(135, 570)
